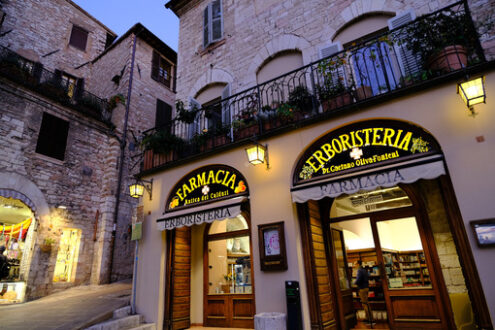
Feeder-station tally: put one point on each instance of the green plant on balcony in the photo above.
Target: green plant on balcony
(441, 41)
(301, 99)
(115, 100)
(162, 141)
(333, 95)
(185, 115)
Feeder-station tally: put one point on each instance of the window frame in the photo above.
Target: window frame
(159, 63)
(52, 129)
(208, 22)
(77, 43)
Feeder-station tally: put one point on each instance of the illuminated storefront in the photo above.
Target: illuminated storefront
(378, 190)
(16, 235)
(208, 212)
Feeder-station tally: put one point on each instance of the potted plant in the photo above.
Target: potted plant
(115, 100)
(441, 41)
(160, 147)
(301, 99)
(47, 244)
(185, 115)
(333, 96)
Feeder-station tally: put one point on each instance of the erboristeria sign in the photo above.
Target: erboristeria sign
(363, 144)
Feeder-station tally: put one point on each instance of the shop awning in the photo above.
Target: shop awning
(388, 176)
(228, 208)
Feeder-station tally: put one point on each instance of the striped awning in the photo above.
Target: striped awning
(9, 193)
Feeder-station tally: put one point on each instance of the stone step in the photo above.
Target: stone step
(127, 322)
(148, 326)
(122, 312)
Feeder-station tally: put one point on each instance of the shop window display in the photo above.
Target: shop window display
(67, 255)
(16, 237)
(229, 258)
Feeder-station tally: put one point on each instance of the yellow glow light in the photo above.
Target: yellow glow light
(136, 190)
(256, 154)
(472, 91)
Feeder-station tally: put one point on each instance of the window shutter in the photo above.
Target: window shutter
(330, 49)
(206, 29)
(163, 115)
(79, 88)
(408, 62)
(194, 127)
(37, 71)
(78, 38)
(226, 116)
(155, 63)
(57, 78)
(216, 21)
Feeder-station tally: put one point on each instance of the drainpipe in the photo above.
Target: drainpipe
(121, 160)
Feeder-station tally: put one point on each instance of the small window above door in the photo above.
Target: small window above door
(364, 202)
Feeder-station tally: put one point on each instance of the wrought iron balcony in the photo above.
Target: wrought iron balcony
(55, 86)
(437, 46)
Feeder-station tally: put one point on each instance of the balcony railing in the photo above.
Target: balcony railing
(431, 47)
(52, 85)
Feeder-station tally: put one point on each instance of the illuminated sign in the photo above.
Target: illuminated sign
(207, 184)
(363, 144)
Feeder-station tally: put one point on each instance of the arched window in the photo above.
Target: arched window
(279, 64)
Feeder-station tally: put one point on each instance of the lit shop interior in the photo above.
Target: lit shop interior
(16, 235)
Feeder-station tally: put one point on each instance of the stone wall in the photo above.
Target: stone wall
(255, 30)
(447, 253)
(42, 27)
(82, 181)
(142, 109)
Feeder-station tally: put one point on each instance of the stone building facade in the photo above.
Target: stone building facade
(57, 64)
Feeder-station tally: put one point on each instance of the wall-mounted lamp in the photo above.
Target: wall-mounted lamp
(472, 92)
(257, 154)
(136, 190)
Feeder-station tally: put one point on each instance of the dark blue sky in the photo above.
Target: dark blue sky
(120, 15)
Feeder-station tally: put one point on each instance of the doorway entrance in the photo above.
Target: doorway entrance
(382, 231)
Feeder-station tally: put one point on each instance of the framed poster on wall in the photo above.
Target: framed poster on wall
(484, 231)
(271, 238)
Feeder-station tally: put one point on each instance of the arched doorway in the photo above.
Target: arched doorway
(384, 179)
(385, 231)
(209, 278)
(17, 235)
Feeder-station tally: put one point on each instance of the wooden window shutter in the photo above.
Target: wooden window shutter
(155, 64)
(408, 62)
(79, 88)
(163, 115)
(216, 21)
(78, 37)
(206, 29)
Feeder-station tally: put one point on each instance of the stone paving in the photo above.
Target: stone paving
(74, 308)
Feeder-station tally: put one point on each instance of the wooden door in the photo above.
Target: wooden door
(342, 278)
(411, 285)
(228, 275)
(178, 279)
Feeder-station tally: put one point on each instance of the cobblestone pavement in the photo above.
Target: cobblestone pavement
(74, 308)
